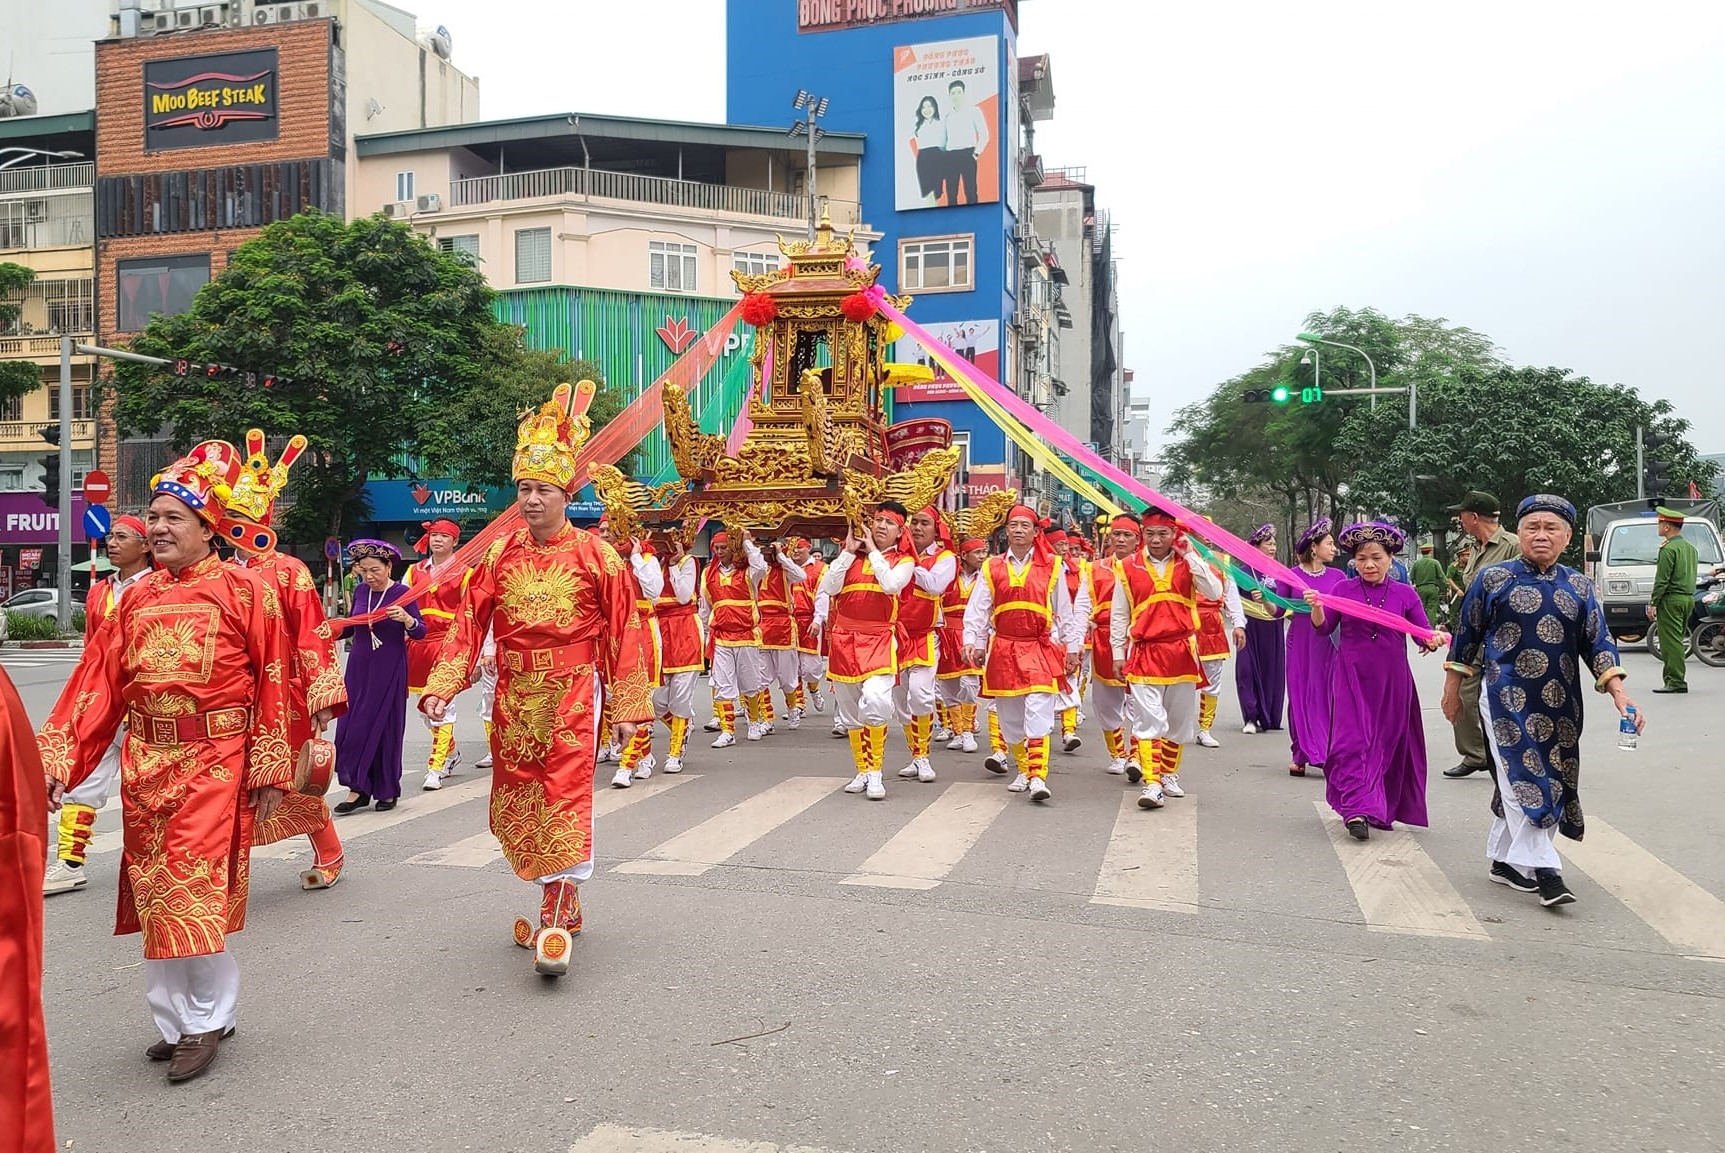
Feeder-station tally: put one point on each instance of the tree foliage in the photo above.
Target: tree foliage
(18, 378)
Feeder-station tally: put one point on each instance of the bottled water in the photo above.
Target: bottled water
(1626, 734)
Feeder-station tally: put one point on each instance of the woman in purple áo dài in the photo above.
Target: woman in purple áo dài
(1310, 655)
(1376, 772)
(1261, 673)
(368, 736)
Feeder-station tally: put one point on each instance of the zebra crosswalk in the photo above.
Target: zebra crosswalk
(702, 824)
(39, 658)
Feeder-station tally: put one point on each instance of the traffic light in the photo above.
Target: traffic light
(51, 480)
(1277, 395)
(1655, 474)
(49, 433)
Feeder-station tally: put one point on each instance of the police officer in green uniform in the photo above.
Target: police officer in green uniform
(1673, 598)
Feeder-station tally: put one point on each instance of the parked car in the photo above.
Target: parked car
(41, 602)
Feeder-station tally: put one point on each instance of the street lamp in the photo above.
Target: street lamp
(1314, 358)
(813, 108)
(1411, 389)
(20, 155)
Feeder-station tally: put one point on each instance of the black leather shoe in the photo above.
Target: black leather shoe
(1672, 689)
(384, 806)
(1358, 829)
(1457, 772)
(357, 801)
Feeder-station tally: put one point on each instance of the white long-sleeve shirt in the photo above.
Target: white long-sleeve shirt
(648, 575)
(892, 576)
(1068, 617)
(682, 580)
(1231, 610)
(937, 577)
(1204, 581)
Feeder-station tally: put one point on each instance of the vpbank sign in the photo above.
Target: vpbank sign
(413, 501)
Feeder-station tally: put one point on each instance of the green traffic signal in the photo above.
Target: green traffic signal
(1279, 394)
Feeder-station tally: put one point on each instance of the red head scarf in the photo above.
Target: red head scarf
(1124, 523)
(448, 527)
(905, 543)
(129, 521)
(974, 543)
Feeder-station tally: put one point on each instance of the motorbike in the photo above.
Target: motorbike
(1708, 639)
(1698, 615)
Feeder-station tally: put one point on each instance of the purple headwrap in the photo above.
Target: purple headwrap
(1367, 532)
(1264, 533)
(369, 547)
(1319, 530)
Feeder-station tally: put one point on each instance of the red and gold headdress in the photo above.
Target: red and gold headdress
(246, 520)
(203, 480)
(548, 440)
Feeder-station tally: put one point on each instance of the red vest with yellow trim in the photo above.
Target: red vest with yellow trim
(733, 603)
(1101, 610)
(776, 604)
(679, 631)
(650, 634)
(862, 626)
(1212, 626)
(803, 607)
(1164, 648)
(953, 603)
(920, 617)
(437, 608)
(1022, 657)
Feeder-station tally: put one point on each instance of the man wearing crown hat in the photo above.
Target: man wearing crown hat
(438, 583)
(1673, 598)
(129, 553)
(1023, 627)
(1219, 619)
(560, 607)
(919, 624)
(1153, 630)
(811, 644)
(316, 692)
(728, 612)
(195, 661)
(960, 679)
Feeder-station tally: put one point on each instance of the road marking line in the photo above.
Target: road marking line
(1397, 885)
(1151, 861)
(719, 838)
(481, 849)
(622, 1139)
(920, 855)
(1688, 916)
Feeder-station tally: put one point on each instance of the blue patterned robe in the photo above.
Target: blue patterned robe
(1533, 633)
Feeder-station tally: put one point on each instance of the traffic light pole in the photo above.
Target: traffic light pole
(63, 569)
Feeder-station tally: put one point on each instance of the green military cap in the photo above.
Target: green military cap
(1667, 514)
(1482, 503)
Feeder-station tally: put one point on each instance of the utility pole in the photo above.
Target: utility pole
(813, 108)
(63, 565)
(1640, 464)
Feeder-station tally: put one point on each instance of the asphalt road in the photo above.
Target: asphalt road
(954, 969)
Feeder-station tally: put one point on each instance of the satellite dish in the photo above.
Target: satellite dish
(17, 101)
(437, 40)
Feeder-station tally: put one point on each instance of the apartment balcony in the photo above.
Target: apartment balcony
(49, 308)
(21, 435)
(584, 185)
(50, 206)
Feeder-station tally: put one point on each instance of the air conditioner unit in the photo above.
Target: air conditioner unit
(1026, 232)
(185, 18)
(431, 202)
(398, 208)
(213, 14)
(262, 14)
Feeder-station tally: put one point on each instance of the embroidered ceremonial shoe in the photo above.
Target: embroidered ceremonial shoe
(551, 952)
(194, 1055)
(924, 770)
(858, 783)
(1151, 797)
(996, 763)
(1171, 785)
(320, 876)
(1039, 789)
(1019, 783)
(1208, 741)
(725, 741)
(433, 782)
(1552, 890)
(875, 787)
(1072, 742)
(164, 1050)
(62, 878)
(1504, 873)
(966, 743)
(673, 764)
(622, 779)
(1117, 767)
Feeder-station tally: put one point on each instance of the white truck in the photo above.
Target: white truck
(1622, 548)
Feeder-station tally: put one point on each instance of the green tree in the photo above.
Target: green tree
(376, 333)
(18, 378)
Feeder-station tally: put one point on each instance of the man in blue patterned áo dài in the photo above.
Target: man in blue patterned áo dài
(1536, 631)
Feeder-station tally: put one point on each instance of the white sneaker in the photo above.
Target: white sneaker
(1117, 767)
(967, 742)
(1171, 785)
(756, 732)
(909, 772)
(607, 753)
(924, 770)
(796, 720)
(644, 768)
(1208, 741)
(483, 762)
(1249, 728)
(1039, 789)
(1072, 742)
(1151, 797)
(725, 741)
(622, 779)
(1081, 717)
(673, 764)
(1019, 783)
(955, 742)
(819, 700)
(713, 725)
(875, 787)
(767, 728)
(433, 782)
(839, 729)
(858, 783)
(995, 763)
(452, 761)
(62, 878)
(942, 734)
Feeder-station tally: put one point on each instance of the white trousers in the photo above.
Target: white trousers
(1213, 674)
(1165, 712)
(190, 995)
(959, 690)
(487, 693)
(676, 696)
(812, 667)
(779, 667)
(93, 792)
(1513, 838)
(865, 704)
(1031, 715)
(736, 672)
(914, 694)
(1110, 702)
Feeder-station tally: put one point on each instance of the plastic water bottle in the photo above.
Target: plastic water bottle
(1626, 734)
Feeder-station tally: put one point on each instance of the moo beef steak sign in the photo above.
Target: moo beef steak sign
(199, 101)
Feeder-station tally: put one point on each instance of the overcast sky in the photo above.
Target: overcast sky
(1548, 172)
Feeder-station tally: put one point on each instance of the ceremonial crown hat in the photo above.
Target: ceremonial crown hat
(547, 440)
(247, 517)
(202, 480)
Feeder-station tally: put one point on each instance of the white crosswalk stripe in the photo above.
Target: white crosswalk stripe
(1400, 889)
(718, 839)
(1152, 857)
(922, 853)
(1675, 907)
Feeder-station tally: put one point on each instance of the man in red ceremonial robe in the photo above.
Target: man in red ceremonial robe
(316, 692)
(635, 760)
(680, 650)
(920, 618)
(776, 607)
(1108, 679)
(1024, 628)
(447, 580)
(26, 1104)
(1153, 630)
(956, 677)
(129, 553)
(560, 607)
(728, 610)
(1219, 618)
(195, 661)
(862, 588)
(811, 645)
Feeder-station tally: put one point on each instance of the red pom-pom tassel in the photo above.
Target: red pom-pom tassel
(759, 309)
(857, 308)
